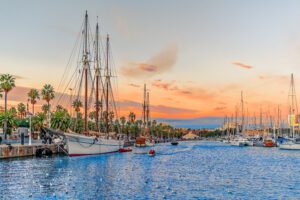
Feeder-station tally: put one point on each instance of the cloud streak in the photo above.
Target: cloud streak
(242, 65)
(157, 64)
(188, 92)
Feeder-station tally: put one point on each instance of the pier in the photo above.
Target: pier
(18, 150)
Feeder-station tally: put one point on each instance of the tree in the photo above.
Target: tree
(21, 109)
(48, 94)
(77, 104)
(7, 118)
(123, 121)
(33, 95)
(45, 108)
(38, 121)
(92, 115)
(61, 120)
(59, 107)
(131, 117)
(7, 83)
(13, 110)
(1, 91)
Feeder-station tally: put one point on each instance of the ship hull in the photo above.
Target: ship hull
(79, 145)
(290, 146)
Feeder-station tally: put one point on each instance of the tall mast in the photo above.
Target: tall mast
(242, 104)
(293, 108)
(148, 110)
(107, 82)
(144, 106)
(86, 66)
(97, 74)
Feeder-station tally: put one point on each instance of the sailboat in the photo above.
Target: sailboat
(145, 140)
(239, 139)
(94, 143)
(292, 143)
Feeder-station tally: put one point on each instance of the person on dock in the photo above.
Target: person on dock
(0, 139)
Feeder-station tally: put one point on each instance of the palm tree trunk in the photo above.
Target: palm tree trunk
(33, 108)
(48, 114)
(5, 122)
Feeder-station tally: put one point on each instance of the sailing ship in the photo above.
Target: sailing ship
(145, 140)
(292, 143)
(91, 143)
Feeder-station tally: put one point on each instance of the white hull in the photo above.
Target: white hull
(241, 142)
(80, 145)
(290, 146)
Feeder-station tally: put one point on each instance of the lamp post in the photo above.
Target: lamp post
(29, 132)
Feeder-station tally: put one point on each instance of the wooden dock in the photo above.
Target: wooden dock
(18, 150)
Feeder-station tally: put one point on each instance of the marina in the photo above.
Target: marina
(149, 100)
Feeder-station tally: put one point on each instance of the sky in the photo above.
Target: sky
(195, 56)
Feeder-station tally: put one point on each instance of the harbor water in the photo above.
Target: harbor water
(191, 170)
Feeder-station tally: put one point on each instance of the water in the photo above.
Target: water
(191, 170)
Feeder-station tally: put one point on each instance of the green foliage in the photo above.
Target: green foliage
(48, 93)
(7, 82)
(10, 118)
(33, 95)
(45, 108)
(60, 120)
(77, 104)
(38, 120)
(22, 123)
(21, 109)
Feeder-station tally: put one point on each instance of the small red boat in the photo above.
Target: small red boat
(151, 153)
(269, 143)
(123, 150)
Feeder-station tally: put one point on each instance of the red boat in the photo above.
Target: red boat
(269, 143)
(151, 153)
(123, 150)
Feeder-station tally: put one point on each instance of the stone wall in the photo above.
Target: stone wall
(17, 150)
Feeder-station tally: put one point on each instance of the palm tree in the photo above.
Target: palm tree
(111, 116)
(21, 109)
(13, 110)
(92, 115)
(123, 121)
(45, 108)
(77, 104)
(7, 83)
(48, 94)
(131, 117)
(59, 107)
(33, 95)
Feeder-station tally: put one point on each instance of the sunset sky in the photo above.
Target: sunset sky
(195, 56)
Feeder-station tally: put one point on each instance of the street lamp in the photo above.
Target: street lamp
(29, 114)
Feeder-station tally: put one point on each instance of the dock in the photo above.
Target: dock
(18, 150)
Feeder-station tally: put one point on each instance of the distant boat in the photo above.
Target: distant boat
(174, 142)
(290, 145)
(241, 142)
(269, 142)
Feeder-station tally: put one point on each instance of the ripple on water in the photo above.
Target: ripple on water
(191, 170)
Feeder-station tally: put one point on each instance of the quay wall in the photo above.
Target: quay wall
(18, 150)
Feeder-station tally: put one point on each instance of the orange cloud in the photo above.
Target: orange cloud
(239, 64)
(157, 64)
(133, 85)
(188, 92)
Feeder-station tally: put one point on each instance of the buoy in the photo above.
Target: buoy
(151, 152)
